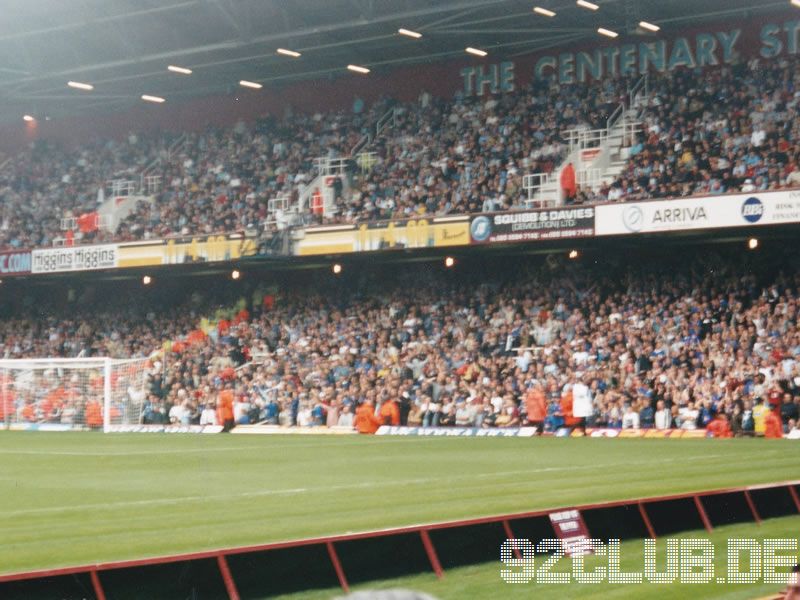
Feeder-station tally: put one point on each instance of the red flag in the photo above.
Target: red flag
(568, 183)
(88, 222)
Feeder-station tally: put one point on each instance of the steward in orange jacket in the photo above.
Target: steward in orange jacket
(366, 421)
(225, 409)
(772, 425)
(719, 427)
(389, 413)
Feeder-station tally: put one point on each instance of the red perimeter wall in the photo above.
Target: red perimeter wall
(325, 561)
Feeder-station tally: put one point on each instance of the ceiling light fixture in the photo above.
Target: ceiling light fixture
(181, 70)
(80, 86)
(649, 26)
(357, 69)
(544, 11)
(156, 99)
(607, 32)
(587, 4)
(28, 118)
(286, 52)
(250, 84)
(409, 33)
(475, 51)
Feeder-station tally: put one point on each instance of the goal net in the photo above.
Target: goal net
(72, 393)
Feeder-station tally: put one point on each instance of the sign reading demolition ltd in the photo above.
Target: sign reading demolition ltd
(75, 258)
(532, 225)
(15, 263)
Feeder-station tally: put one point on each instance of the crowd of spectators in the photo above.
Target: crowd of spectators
(731, 129)
(718, 130)
(640, 346)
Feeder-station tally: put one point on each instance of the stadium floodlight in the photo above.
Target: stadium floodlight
(181, 70)
(544, 11)
(587, 4)
(87, 87)
(28, 118)
(250, 84)
(358, 69)
(649, 26)
(607, 32)
(286, 52)
(475, 51)
(337, 268)
(155, 99)
(408, 33)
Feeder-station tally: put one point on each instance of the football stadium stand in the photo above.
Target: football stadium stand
(667, 343)
(687, 132)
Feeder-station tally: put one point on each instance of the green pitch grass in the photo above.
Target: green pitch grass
(78, 498)
(484, 581)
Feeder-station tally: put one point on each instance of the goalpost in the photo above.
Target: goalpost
(72, 393)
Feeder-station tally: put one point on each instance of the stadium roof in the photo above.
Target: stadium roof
(123, 47)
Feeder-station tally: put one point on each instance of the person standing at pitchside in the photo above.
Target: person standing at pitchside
(225, 408)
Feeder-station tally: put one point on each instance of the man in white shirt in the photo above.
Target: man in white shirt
(663, 418)
(581, 402)
(630, 420)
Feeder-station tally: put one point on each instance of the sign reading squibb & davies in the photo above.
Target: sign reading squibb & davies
(533, 225)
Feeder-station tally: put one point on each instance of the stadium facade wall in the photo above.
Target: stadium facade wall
(709, 44)
(441, 544)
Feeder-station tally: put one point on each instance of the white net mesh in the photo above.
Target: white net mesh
(50, 393)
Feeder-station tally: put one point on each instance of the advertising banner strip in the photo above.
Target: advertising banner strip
(278, 430)
(391, 235)
(457, 431)
(533, 225)
(186, 250)
(74, 258)
(15, 263)
(164, 429)
(702, 212)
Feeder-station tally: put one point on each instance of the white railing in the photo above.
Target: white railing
(640, 89)
(327, 166)
(123, 187)
(365, 141)
(389, 116)
(151, 184)
(589, 178)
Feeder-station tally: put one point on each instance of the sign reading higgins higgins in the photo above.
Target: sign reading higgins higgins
(75, 258)
(533, 225)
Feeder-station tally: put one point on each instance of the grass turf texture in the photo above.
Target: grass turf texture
(484, 580)
(79, 498)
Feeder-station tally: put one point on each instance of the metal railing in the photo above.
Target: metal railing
(389, 116)
(639, 89)
(123, 187)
